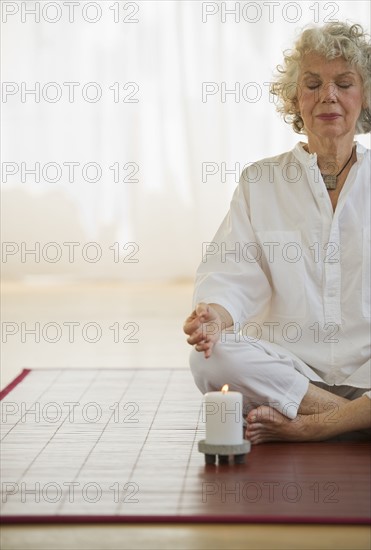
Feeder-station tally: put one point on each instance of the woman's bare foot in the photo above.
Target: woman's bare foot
(267, 424)
(321, 416)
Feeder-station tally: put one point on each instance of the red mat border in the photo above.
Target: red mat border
(14, 383)
(12, 520)
(66, 519)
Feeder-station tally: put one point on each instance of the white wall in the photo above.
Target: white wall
(168, 133)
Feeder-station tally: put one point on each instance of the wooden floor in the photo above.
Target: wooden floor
(117, 325)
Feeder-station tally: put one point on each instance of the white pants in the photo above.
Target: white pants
(264, 372)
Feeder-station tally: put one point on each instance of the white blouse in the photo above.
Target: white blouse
(292, 271)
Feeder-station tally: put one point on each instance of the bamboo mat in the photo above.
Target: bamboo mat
(120, 445)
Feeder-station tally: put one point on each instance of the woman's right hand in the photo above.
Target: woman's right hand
(203, 327)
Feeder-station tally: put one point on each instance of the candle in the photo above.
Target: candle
(223, 416)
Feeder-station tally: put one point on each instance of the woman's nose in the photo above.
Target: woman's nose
(328, 93)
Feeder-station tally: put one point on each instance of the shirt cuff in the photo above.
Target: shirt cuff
(221, 302)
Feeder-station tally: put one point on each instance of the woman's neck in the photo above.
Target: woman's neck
(331, 160)
(331, 155)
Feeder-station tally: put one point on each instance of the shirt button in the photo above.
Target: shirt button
(332, 292)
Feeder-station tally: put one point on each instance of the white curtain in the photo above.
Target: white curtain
(160, 56)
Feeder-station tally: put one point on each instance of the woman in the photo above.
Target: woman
(282, 297)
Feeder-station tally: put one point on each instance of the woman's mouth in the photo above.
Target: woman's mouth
(328, 116)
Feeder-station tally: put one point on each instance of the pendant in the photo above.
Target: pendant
(330, 181)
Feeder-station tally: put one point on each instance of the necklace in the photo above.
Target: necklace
(331, 179)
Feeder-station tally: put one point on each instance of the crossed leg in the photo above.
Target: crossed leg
(282, 403)
(321, 415)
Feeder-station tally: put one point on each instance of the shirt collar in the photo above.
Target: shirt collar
(309, 159)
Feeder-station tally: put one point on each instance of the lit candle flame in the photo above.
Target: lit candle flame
(225, 388)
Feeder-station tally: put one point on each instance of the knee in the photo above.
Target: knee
(212, 373)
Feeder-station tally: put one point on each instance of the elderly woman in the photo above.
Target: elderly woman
(282, 296)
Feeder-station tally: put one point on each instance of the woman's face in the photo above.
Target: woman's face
(330, 97)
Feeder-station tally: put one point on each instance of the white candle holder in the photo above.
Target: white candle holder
(224, 451)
